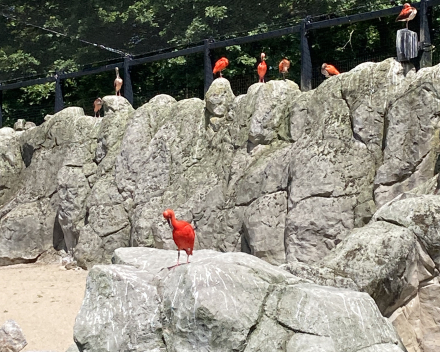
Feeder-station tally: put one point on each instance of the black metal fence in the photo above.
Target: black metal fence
(306, 72)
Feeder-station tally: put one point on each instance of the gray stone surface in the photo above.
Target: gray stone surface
(218, 302)
(395, 259)
(11, 337)
(217, 162)
(11, 164)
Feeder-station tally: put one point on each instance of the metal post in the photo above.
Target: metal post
(425, 38)
(128, 88)
(59, 104)
(1, 108)
(306, 61)
(207, 65)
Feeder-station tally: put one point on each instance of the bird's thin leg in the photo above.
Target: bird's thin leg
(221, 74)
(187, 258)
(178, 256)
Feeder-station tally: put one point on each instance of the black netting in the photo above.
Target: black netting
(70, 36)
(62, 37)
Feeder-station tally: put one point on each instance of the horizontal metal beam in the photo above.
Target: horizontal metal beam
(169, 55)
(31, 82)
(92, 71)
(255, 38)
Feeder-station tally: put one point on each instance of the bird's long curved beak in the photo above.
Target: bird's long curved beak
(169, 223)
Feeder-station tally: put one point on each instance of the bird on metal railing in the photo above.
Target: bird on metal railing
(97, 105)
(283, 67)
(220, 65)
(262, 68)
(329, 70)
(407, 14)
(118, 82)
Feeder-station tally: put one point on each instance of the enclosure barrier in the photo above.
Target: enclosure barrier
(209, 44)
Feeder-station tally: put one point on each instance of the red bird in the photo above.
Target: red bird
(220, 65)
(284, 66)
(329, 70)
(262, 68)
(183, 234)
(407, 14)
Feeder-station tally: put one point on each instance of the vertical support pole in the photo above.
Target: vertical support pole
(306, 61)
(425, 38)
(207, 65)
(1, 108)
(59, 104)
(128, 88)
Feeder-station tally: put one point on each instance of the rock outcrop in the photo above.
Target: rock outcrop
(395, 258)
(11, 337)
(305, 180)
(221, 302)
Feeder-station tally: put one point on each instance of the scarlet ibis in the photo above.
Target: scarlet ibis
(118, 82)
(329, 70)
(407, 14)
(97, 105)
(183, 234)
(220, 65)
(262, 68)
(284, 67)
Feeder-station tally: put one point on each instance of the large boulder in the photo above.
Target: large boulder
(46, 162)
(395, 259)
(220, 302)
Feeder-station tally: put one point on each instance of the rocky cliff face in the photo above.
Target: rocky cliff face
(299, 178)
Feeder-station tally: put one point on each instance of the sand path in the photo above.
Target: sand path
(44, 300)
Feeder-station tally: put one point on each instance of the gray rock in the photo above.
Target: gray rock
(29, 124)
(344, 316)
(11, 164)
(218, 302)
(22, 236)
(219, 97)
(73, 348)
(383, 260)
(269, 119)
(320, 275)
(19, 125)
(11, 337)
(421, 215)
(410, 137)
(64, 142)
(73, 189)
(264, 222)
(310, 343)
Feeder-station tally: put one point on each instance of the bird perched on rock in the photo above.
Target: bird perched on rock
(262, 68)
(220, 65)
(407, 14)
(183, 234)
(283, 67)
(97, 105)
(118, 82)
(329, 70)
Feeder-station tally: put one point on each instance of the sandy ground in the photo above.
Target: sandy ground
(44, 300)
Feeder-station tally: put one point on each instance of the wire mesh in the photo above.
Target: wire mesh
(182, 77)
(69, 36)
